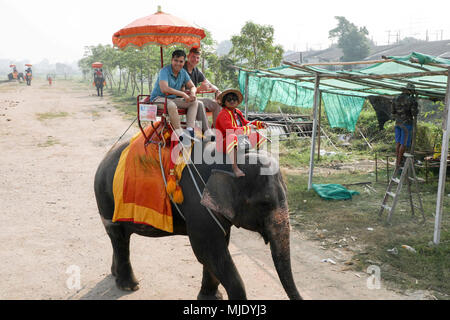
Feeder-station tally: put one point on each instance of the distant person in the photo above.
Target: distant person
(404, 110)
(171, 79)
(49, 78)
(98, 73)
(198, 78)
(28, 75)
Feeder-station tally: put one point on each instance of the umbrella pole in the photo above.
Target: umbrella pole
(162, 65)
(139, 120)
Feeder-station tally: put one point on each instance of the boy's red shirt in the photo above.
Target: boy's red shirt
(227, 122)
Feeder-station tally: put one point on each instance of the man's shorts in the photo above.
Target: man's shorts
(400, 134)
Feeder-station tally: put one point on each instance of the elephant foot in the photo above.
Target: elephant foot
(215, 296)
(127, 284)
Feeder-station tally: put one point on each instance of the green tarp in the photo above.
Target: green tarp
(344, 92)
(332, 191)
(342, 110)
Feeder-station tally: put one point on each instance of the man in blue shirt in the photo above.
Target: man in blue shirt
(170, 81)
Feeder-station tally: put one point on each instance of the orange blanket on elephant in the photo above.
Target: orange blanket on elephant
(140, 194)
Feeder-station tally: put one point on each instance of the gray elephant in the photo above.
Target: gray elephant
(256, 202)
(99, 82)
(17, 76)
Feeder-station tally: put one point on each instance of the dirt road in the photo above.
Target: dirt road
(51, 140)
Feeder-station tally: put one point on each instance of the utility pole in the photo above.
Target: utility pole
(389, 35)
(398, 36)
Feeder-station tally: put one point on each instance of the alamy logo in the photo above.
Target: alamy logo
(74, 280)
(374, 281)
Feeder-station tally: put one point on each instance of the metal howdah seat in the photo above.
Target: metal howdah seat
(161, 110)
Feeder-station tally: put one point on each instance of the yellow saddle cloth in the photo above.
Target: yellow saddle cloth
(140, 195)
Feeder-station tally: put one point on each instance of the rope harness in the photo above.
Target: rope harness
(162, 144)
(188, 162)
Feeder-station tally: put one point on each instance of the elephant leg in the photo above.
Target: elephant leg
(210, 287)
(121, 265)
(102, 91)
(211, 249)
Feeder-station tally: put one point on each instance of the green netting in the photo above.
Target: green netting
(344, 92)
(342, 111)
(288, 92)
(423, 58)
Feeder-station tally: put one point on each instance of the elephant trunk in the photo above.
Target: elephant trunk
(278, 234)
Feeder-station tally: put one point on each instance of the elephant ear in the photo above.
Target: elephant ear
(219, 193)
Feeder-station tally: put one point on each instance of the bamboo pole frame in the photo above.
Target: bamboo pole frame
(366, 79)
(357, 79)
(320, 116)
(246, 95)
(443, 167)
(313, 138)
(344, 63)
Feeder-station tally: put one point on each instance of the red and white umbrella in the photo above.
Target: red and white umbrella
(161, 29)
(97, 65)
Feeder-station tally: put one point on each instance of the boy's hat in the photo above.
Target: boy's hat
(237, 92)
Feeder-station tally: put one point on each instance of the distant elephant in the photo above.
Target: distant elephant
(256, 202)
(99, 82)
(15, 76)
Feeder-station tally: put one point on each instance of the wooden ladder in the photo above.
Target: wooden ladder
(407, 175)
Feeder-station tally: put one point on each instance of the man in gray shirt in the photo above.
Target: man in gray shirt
(198, 78)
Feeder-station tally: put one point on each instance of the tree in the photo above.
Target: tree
(352, 40)
(219, 71)
(254, 47)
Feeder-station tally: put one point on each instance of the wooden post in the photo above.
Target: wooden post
(443, 166)
(313, 138)
(246, 94)
(387, 168)
(413, 138)
(320, 113)
(376, 167)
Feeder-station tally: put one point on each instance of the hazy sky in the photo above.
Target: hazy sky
(59, 29)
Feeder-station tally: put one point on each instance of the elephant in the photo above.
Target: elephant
(99, 82)
(28, 78)
(15, 76)
(256, 202)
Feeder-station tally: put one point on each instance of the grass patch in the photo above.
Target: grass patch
(51, 141)
(51, 115)
(295, 152)
(126, 105)
(344, 224)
